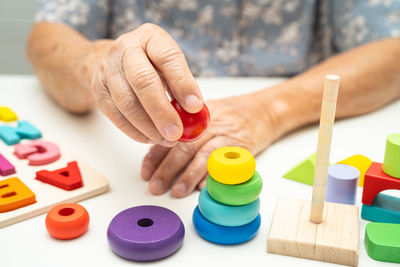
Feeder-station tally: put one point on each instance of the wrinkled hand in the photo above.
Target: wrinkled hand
(131, 81)
(236, 121)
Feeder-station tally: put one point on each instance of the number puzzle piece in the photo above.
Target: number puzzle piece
(24, 130)
(382, 241)
(14, 194)
(360, 162)
(68, 178)
(38, 152)
(6, 168)
(7, 114)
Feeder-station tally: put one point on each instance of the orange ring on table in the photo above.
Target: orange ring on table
(67, 221)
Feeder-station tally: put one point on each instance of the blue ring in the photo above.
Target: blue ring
(226, 215)
(225, 235)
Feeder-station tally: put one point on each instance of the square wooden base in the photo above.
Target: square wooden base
(334, 240)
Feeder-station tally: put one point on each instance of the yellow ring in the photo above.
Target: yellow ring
(231, 165)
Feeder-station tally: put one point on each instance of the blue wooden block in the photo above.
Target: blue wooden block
(384, 208)
(24, 130)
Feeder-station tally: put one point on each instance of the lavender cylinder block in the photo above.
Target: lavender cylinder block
(341, 186)
(145, 233)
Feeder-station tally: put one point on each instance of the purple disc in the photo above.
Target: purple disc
(145, 233)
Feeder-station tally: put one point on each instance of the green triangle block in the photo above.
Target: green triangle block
(304, 171)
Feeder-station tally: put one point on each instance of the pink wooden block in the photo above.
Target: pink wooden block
(38, 152)
(6, 168)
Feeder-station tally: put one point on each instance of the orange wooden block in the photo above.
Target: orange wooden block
(14, 194)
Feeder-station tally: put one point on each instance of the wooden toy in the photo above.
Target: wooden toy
(68, 178)
(341, 186)
(67, 221)
(303, 172)
(6, 168)
(382, 241)
(377, 181)
(194, 124)
(226, 215)
(391, 163)
(14, 194)
(24, 130)
(7, 115)
(231, 165)
(38, 152)
(145, 233)
(384, 208)
(225, 235)
(360, 162)
(317, 230)
(235, 195)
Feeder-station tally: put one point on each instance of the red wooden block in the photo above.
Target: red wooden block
(377, 181)
(68, 178)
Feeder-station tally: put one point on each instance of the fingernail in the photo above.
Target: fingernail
(193, 101)
(172, 131)
(156, 186)
(179, 189)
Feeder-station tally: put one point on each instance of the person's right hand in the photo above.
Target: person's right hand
(131, 81)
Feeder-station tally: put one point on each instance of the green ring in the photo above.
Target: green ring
(235, 195)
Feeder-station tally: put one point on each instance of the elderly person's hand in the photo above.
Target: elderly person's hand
(236, 121)
(131, 81)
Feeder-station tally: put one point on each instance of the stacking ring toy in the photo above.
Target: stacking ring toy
(67, 221)
(227, 215)
(231, 165)
(145, 233)
(240, 194)
(224, 235)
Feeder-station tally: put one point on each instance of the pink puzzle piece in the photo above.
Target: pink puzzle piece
(38, 152)
(6, 168)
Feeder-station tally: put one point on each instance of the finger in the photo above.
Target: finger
(148, 88)
(168, 58)
(197, 169)
(152, 160)
(106, 105)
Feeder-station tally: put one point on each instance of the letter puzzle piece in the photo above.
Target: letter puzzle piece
(382, 241)
(38, 152)
(360, 162)
(303, 172)
(6, 168)
(15, 194)
(68, 178)
(7, 114)
(24, 130)
(384, 208)
(377, 181)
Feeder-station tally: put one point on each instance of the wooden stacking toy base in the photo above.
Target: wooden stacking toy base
(334, 240)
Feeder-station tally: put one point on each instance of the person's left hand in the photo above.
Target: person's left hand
(236, 121)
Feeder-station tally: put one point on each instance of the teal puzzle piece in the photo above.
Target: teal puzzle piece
(384, 208)
(24, 130)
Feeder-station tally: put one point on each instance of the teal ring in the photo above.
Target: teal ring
(226, 215)
(235, 195)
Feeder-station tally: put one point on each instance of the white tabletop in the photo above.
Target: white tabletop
(103, 146)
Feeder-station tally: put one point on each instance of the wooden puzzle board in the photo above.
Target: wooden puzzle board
(48, 195)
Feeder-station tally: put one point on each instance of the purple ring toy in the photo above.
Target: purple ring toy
(145, 233)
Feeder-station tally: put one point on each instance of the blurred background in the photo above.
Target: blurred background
(16, 18)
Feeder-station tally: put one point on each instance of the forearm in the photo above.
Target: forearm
(370, 78)
(63, 60)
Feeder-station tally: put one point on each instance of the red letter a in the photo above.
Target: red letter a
(68, 178)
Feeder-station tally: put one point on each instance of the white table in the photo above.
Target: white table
(97, 141)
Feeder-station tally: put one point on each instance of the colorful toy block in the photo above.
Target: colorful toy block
(391, 163)
(24, 130)
(7, 115)
(68, 178)
(6, 168)
(67, 221)
(382, 241)
(145, 233)
(317, 230)
(384, 208)
(341, 186)
(14, 194)
(38, 152)
(360, 162)
(303, 172)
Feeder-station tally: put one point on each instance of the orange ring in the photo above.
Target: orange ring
(67, 221)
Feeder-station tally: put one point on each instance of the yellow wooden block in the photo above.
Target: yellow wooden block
(7, 114)
(14, 194)
(362, 163)
(334, 240)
